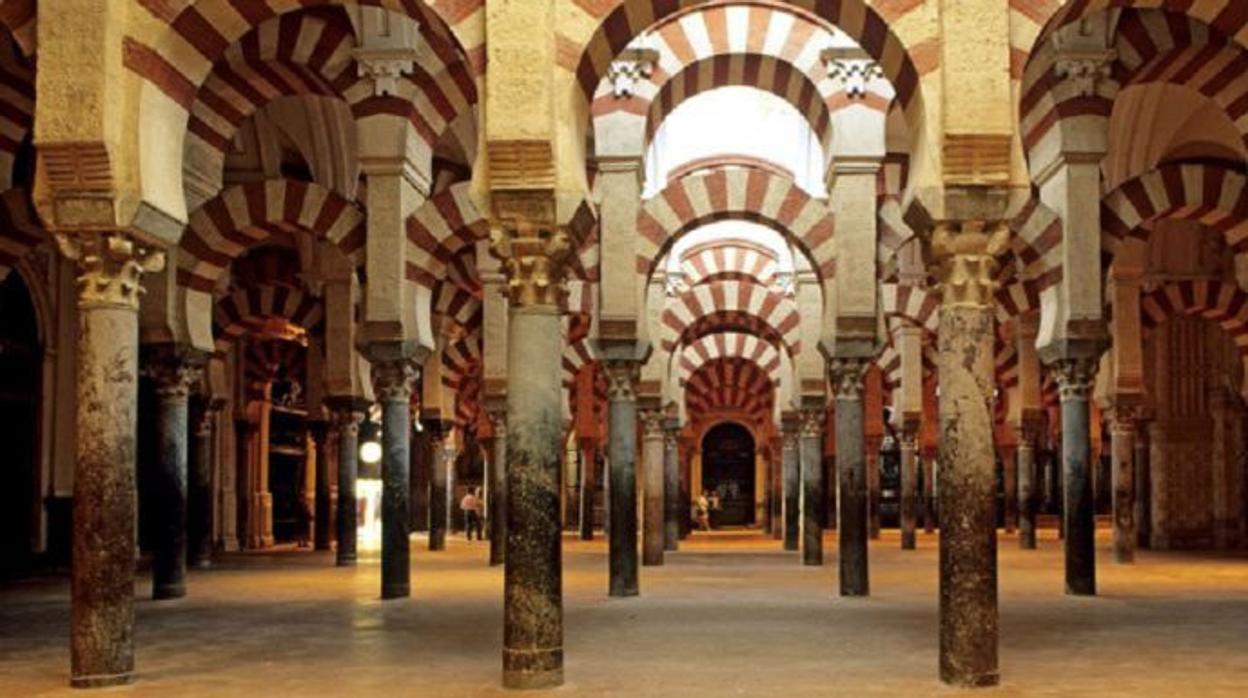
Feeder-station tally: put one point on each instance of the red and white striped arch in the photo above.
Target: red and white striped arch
(1213, 196)
(729, 259)
(730, 384)
(724, 345)
(1219, 302)
(249, 309)
(245, 215)
(437, 231)
(747, 194)
(731, 306)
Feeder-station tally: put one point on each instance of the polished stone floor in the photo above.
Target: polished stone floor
(729, 614)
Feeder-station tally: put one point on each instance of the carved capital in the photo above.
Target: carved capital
(629, 68)
(384, 67)
(966, 254)
(534, 251)
(812, 424)
(173, 373)
(622, 379)
(496, 412)
(853, 74)
(346, 421)
(845, 377)
(1075, 377)
(110, 267)
(393, 379)
(1085, 70)
(652, 423)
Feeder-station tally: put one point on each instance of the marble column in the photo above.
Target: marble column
(199, 486)
(653, 517)
(322, 534)
(790, 483)
(393, 380)
(966, 475)
(1122, 436)
(173, 374)
(845, 376)
(872, 455)
(622, 377)
(101, 620)
(811, 463)
(347, 413)
(1074, 380)
(497, 414)
(672, 505)
(909, 483)
(1143, 492)
(438, 509)
(1027, 490)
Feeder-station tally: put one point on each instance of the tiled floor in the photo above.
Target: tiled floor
(729, 614)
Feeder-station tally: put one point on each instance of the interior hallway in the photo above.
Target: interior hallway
(730, 614)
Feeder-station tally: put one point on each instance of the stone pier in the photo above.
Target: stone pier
(845, 377)
(101, 621)
(347, 413)
(672, 505)
(967, 480)
(813, 496)
(1074, 380)
(653, 532)
(173, 374)
(393, 380)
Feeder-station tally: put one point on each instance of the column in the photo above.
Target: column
(110, 266)
(672, 505)
(845, 376)
(393, 380)
(777, 489)
(199, 486)
(1009, 485)
(768, 500)
(909, 482)
(1122, 446)
(622, 376)
(534, 255)
(585, 517)
(811, 459)
(1027, 479)
(243, 431)
(653, 532)
(1074, 380)
(928, 461)
(790, 481)
(347, 413)
(686, 493)
(497, 414)
(872, 454)
(172, 374)
(449, 455)
(437, 483)
(321, 531)
(966, 475)
(1143, 513)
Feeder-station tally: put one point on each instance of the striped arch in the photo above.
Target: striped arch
(17, 104)
(19, 17)
(267, 360)
(20, 229)
(725, 345)
(437, 231)
(618, 23)
(745, 194)
(740, 260)
(1168, 41)
(1213, 196)
(1219, 302)
(731, 306)
(910, 305)
(248, 309)
(461, 358)
(247, 214)
(457, 298)
(730, 384)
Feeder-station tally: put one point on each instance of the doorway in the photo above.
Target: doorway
(728, 470)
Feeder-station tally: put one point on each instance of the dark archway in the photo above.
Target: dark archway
(728, 469)
(20, 364)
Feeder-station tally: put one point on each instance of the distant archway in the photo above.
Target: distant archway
(20, 379)
(728, 469)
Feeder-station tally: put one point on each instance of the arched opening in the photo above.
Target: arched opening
(20, 376)
(728, 473)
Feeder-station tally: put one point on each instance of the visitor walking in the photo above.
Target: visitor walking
(472, 506)
(702, 512)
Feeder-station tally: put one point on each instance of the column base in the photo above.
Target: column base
(165, 592)
(345, 560)
(102, 680)
(395, 591)
(970, 680)
(624, 593)
(532, 669)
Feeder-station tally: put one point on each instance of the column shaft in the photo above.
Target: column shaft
(811, 458)
(173, 377)
(872, 455)
(498, 486)
(1079, 524)
(928, 464)
(199, 491)
(1009, 485)
(438, 508)
(1122, 436)
(672, 505)
(653, 533)
(845, 377)
(585, 517)
(393, 381)
(790, 483)
(622, 460)
(1026, 456)
(322, 533)
(533, 593)
(1143, 512)
(347, 421)
(909, 487)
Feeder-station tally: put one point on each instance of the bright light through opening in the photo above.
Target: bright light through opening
(370, 452)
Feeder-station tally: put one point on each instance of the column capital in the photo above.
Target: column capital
(111, 265)
(394, 379)
(1075, 376)
(652, 422)
(845, 377)
(812, 423)
(174, 370)
(533, 248)
(966, 255)
(623, 375)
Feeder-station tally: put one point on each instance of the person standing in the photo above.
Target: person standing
(472, 507)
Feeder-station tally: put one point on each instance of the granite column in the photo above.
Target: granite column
(1143, 511)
